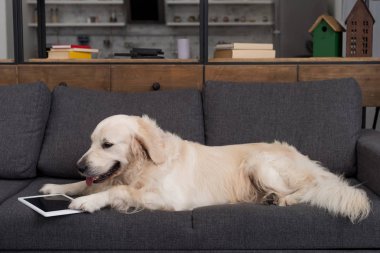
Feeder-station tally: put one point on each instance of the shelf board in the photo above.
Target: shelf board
(7, 60)
(307, 60)
(93, 2)
(241, 2)
(269, 23)
(182, 23)
(215, 2)
(126, 60)
(107, 24)
(187, 2)
(299, 60)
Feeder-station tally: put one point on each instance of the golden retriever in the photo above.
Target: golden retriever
(134, 163)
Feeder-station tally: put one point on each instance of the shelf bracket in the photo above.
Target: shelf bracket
(41, 29)
(18, 32)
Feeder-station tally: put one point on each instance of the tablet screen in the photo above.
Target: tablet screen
(50, 203)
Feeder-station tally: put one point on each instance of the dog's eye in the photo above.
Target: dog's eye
(106, 145)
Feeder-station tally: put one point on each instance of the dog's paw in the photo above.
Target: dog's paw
(86, 203)
(270, 199)
(287, 201)
(51, 189)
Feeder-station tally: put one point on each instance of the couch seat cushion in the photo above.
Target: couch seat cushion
(8, 187)
(229, 227)
(21, 228)
(321, 119)
(302, 227)
(76, 112)
(24, 111)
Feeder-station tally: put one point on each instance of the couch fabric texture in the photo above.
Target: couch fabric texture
(24, 111)
(321, 118)
(368, 149)
(76, 112)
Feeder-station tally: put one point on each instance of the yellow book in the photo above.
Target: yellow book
(79, 55)
(59, 55)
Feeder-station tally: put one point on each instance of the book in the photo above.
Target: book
(70, 46)
(61, 55)
(84, 50)
(231, 53)
(245, 46)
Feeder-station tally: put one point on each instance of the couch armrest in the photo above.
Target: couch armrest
(368, 157)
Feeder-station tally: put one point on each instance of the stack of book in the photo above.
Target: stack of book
(59, 52)
(245, 50)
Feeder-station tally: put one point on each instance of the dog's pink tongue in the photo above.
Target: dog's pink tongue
(89, 181)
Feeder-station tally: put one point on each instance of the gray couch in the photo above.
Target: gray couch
(42, 135)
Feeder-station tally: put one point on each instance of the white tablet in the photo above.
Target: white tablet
(50, 205)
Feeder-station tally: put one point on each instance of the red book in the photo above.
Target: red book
(70, 46)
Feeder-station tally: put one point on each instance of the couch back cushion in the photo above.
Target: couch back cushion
(321, 119)
(76, 112)
(24, 111)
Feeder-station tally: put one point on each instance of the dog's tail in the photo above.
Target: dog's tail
(333, 193)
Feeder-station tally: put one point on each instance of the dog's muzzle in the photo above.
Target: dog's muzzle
(101, 178)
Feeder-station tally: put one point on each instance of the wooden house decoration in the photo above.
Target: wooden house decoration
(359, 34)
(327, 37)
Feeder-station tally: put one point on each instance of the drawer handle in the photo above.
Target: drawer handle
(156, 86)
(64, 84)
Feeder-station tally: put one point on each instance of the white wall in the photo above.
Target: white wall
(10, 41)
(338, 7)
(375, 10)
(6, 29)
(3, 31)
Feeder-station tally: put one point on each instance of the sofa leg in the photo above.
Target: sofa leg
(376, 118)
(364, 117)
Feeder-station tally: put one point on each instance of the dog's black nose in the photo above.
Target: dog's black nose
(82, 165)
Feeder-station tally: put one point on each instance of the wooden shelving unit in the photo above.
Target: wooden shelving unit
(193, 4)
(103, 3)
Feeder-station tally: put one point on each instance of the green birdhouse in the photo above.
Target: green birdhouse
(327, 37)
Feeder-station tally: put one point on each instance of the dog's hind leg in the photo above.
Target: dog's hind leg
(268, 172)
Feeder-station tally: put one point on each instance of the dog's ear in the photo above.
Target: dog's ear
(137, 151)
(150, 136)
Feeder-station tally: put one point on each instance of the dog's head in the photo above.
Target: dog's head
(118, 141)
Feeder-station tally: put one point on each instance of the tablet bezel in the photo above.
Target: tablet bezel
(51, 213)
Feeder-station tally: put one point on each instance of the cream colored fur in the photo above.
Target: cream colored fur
(159, 170)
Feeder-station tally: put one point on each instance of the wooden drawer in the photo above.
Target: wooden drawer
(252, 73)
(8, 74)
(141, 78)
(86, 76)
(367, 75)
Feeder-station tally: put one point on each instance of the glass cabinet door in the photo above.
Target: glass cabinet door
(239, 21)
(123, 29)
